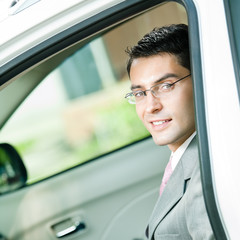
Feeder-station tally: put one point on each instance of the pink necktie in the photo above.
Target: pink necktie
(167, 173)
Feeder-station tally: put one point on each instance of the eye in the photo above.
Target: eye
(138, 94)
(165, 87)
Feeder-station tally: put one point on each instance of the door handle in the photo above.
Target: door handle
(68, 226)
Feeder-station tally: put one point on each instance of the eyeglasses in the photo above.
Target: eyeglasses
(156, 90)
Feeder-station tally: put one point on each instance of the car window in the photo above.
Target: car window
(78, 111)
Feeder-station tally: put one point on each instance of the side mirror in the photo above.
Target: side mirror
(13, 174)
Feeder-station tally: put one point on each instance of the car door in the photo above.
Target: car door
(93, 171)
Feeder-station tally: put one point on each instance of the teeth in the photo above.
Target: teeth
(159, 122)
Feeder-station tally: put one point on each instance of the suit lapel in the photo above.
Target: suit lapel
(168, 199)
(175, 188)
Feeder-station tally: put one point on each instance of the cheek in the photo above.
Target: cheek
(187, 107)
(140, 111)
(190, 102)
(182, 106)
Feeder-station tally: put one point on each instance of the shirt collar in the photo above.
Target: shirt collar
(179, 152)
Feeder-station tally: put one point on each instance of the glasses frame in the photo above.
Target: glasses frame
(150, 89)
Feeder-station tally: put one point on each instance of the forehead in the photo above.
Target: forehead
(146, 71)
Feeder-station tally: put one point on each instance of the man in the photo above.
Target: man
(161, 84)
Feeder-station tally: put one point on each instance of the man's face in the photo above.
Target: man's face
(170, 117)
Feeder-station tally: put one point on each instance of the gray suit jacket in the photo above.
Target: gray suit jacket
(180, 212)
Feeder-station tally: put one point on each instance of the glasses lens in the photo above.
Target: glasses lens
(161, 88)
(131, 98)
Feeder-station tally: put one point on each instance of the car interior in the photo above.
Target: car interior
(92, 170)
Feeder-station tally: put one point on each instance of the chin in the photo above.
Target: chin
(160, 142)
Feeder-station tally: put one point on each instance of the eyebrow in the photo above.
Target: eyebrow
(166, 76)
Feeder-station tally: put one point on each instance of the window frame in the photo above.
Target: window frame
(200, 111)
(232, 37)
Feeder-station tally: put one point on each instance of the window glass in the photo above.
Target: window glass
(78, 111)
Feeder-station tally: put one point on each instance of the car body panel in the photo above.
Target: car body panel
(220, 91)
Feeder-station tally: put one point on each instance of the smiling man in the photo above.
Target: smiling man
(161, 84)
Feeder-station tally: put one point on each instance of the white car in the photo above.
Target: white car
(75, 161)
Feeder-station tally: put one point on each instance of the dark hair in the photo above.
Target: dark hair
(172, 39)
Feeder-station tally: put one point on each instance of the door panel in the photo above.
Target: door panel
(113, 195)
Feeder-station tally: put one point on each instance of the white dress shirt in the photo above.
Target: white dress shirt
(179, 152)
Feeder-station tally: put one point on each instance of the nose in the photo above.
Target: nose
(153, 104)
